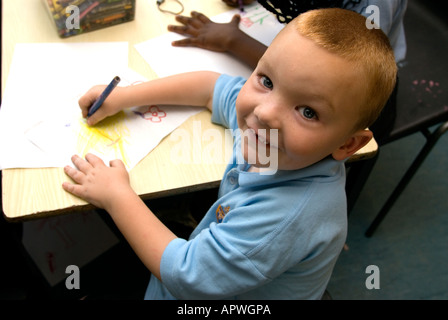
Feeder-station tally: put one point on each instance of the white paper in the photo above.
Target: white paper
(45, 81)
(167, 60)
(76, 239)
(40, 120)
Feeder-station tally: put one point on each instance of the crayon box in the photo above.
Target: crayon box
(74, 17)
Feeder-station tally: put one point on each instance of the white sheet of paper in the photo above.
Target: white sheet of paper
(167, 60)
(45, 81)
(57, 242)
(40, 120)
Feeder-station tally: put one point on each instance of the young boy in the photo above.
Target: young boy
(201, 32)
(323, 80)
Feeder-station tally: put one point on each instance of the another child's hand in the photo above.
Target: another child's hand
(204, 33)
(97, 183)
(110, 106)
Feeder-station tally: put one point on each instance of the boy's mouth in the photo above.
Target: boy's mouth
(261, 139)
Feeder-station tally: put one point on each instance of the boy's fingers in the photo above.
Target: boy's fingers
(94, 160)
(80, 163)
(73, 173)
(75, 189)
(67, 186)
(88, 99)
(93, 119)
(84, 103)
(96, 117)
(117, 163)
(70, 187)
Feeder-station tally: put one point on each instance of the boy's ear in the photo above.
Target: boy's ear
(356, 141)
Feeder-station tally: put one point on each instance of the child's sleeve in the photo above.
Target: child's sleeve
(224, 98)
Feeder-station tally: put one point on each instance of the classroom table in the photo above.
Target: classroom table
(36, 193)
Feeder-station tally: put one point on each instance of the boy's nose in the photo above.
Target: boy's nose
(268, 114)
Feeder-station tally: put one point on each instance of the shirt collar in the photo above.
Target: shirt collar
(326, 169)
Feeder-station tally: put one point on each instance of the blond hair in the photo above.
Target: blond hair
(345, 33)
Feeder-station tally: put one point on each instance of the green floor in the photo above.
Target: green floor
(410, 247)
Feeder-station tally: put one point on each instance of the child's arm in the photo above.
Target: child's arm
(109, 188)
(203, 33)
(194, 88)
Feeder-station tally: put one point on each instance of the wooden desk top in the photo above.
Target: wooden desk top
(36, 193)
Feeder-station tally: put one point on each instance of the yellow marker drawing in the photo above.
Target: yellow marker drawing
(108, 137)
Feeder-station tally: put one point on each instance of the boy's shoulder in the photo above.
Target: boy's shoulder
(225, 93)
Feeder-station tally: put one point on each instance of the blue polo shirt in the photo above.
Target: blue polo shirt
(266, 237)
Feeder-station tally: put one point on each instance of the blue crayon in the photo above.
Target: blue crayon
(99, 101)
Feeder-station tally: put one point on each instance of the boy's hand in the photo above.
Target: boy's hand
(204, 33)
(110, 106)
(97, 183)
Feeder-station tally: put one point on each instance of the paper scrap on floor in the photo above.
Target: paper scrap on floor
(70, 240)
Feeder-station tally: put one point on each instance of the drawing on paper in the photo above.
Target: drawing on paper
(107, 137)
(255, 15)
(153, 114)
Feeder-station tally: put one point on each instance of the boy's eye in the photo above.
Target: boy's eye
(307, 112)
(265, 81)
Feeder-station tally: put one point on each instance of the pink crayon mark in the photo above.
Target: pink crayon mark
(245, 21)
(153, 114)
(50, 261)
